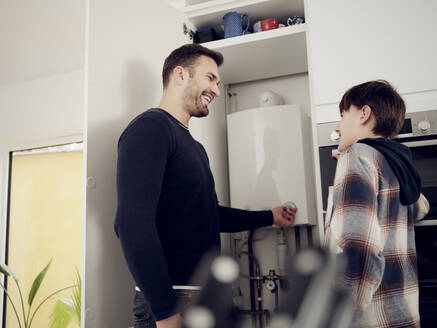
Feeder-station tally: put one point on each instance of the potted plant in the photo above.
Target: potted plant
(26, 318)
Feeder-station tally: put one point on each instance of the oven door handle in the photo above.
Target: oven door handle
(420, 143)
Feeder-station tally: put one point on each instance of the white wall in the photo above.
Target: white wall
(40, 38)
(42, 108)
(127, 47)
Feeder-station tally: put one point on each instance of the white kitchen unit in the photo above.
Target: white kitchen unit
(259, 55)
(353, 43)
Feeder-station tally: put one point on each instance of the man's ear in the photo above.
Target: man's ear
(180, 75)
(366, 114)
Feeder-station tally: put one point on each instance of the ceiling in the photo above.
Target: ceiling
(40, 38)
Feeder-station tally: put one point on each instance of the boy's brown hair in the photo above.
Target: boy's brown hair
(386, 104)
(186, 57)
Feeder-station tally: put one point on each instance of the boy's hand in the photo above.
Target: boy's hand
(335, 153)
(283, 216)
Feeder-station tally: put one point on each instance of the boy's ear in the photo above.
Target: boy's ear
(366, 113)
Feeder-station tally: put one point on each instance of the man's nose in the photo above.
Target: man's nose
(216, 91)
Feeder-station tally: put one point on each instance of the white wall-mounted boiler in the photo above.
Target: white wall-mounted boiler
(270, 160)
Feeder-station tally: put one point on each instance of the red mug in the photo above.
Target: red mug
(269, 24)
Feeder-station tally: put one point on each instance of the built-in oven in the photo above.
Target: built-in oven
(419, 133)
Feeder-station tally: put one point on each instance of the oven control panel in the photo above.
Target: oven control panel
(415, 125)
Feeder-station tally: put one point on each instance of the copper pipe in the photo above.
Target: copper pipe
(310, 236)
(251, 273)
(255, 314)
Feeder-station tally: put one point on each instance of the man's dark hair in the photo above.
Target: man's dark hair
(386, 104)
(186, 57)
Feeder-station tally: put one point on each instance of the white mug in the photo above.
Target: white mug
(257, 27)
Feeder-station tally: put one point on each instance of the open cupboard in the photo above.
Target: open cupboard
(260, 55)
(269, 60)
(274, 60)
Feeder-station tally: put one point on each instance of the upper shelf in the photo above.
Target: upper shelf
(210, 13)
(263, 55)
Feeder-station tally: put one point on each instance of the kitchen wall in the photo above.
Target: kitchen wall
(42, 108)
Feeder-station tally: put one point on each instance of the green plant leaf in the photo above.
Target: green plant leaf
(59, 318)
(62, 314)
(12, 303)
(77, 290)
(37, 283)
(42, 303)
(7, 272)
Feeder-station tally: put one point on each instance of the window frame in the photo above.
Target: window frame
(6, 151)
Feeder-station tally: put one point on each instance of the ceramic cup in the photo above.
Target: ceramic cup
(233, 24)
(257, 27)
(269, 24)
(294, 20)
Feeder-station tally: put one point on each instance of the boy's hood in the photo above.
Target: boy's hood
(399, 158)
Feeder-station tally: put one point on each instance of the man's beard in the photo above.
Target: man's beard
(193, 102)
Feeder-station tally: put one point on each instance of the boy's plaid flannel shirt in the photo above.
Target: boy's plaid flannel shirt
(367, 223)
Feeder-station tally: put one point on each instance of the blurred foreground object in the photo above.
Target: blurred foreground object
(312, 300)
(213, 306)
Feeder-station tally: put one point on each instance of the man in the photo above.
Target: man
(168, 215)
(375, 202)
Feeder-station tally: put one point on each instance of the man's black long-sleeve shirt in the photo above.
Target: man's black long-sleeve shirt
(168, 215)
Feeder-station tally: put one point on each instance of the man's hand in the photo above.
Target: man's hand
(175, 321)
(283, 216)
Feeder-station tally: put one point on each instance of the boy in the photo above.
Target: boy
(373, 206)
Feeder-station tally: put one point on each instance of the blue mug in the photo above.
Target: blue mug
(233, 24)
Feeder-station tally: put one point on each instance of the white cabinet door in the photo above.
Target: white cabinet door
(355, 41)
(128, 42)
